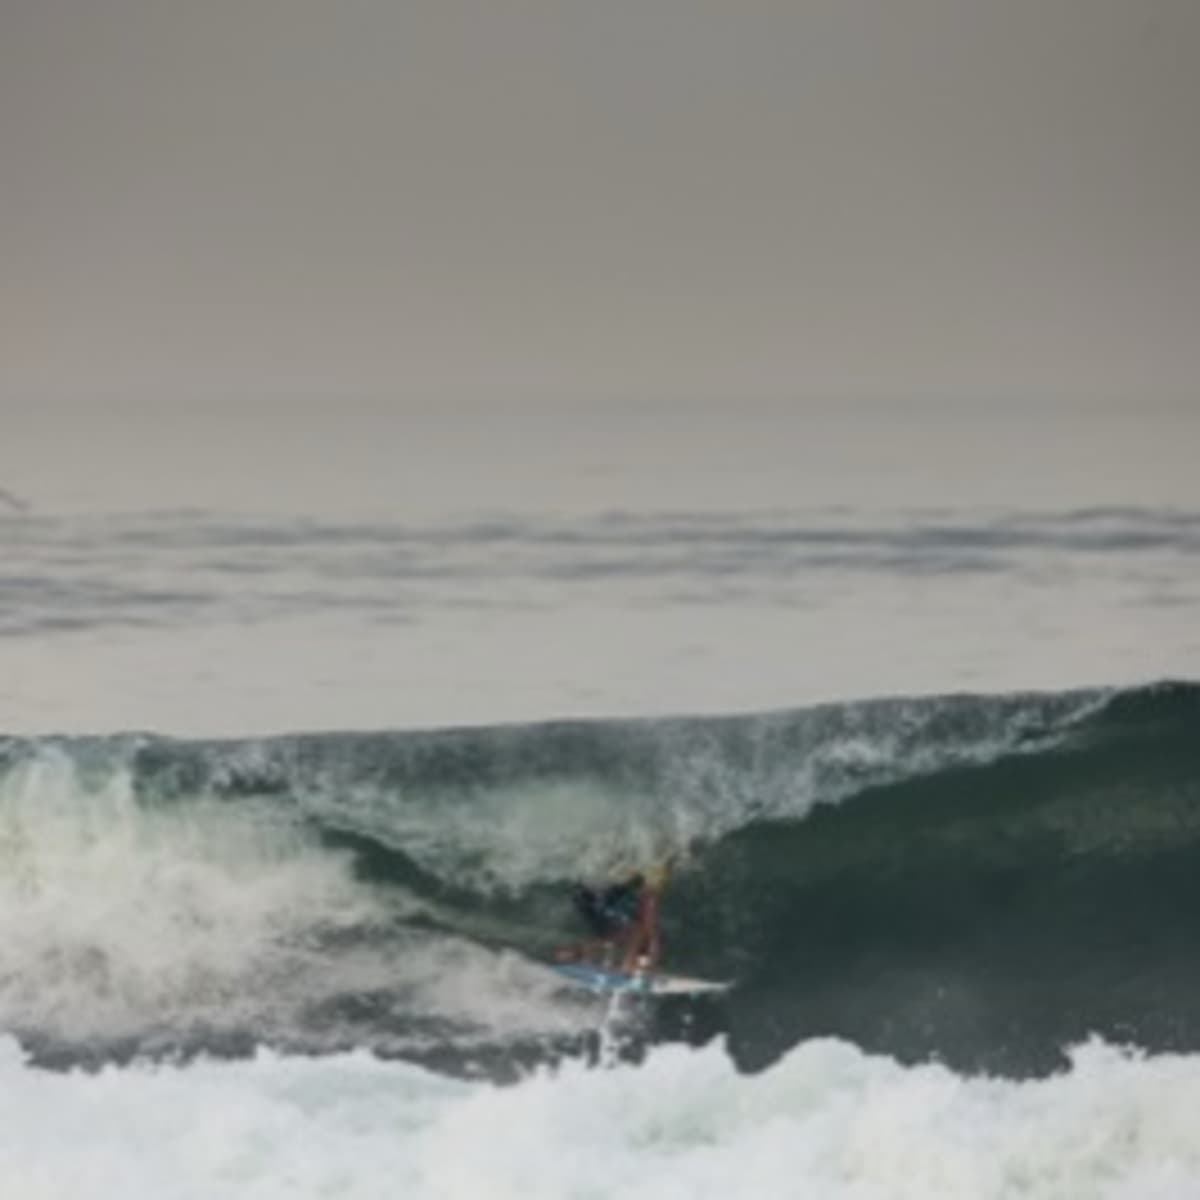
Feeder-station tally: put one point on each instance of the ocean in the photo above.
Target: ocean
(295, 782)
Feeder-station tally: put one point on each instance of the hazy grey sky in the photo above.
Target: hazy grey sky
(679, 197)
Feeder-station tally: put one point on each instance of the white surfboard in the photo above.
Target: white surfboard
(647, 983)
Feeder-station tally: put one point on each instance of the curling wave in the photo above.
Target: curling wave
(983, 879)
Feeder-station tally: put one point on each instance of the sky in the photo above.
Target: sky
(274, 203)
(438, 258)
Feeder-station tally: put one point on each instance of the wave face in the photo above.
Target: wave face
(982, 879)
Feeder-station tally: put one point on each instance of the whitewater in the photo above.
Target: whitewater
(291, 804)
(826, 1121)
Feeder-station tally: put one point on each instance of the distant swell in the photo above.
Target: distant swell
(981, 879)
(183, 569)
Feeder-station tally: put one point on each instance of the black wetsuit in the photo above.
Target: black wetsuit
(609, 910)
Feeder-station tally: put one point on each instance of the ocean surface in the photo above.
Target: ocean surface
(292, 796)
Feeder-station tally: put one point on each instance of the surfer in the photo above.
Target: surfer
(624, 922)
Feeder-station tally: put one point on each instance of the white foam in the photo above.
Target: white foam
(124, 918)
(826, 1121)
(113, 909)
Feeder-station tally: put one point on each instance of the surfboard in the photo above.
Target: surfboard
(656, 983)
